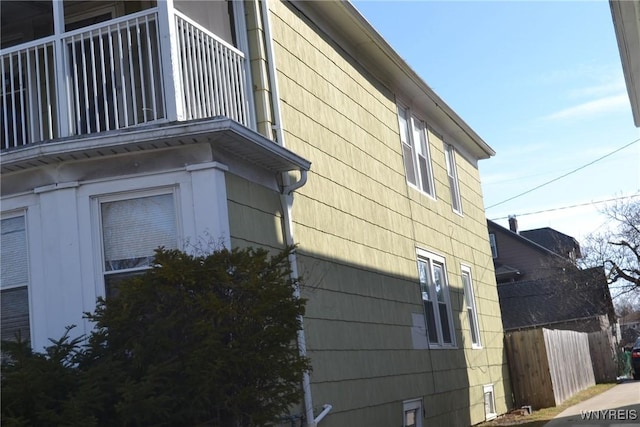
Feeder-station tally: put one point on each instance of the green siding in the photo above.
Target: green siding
(357, 225)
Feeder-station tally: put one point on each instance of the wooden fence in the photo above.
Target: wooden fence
(603, 355)
(548, 366)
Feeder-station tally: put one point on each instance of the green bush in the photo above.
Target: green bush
(196, 340)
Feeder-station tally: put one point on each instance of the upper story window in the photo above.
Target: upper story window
(494, 248)
(415, 151)
(435, 297)
(452, 173)
(131, 229)
(472, 312)
(14, 279)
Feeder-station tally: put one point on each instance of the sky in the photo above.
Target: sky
(541, 82)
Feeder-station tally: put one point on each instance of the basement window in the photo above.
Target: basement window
(489, 402)
(412, 413)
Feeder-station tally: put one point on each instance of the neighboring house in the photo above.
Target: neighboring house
(555, 241)
(629, 328)
(626, 22)
(540, 286)
(582, 304)
(128, 125)
(516, 257)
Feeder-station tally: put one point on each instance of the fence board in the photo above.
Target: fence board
(529, 369)
(548, 366)
(569, 362)
(603, 355)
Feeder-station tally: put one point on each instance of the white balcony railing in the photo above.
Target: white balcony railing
(110, 76)
(212, 74)
(114, 78)
(28, 95)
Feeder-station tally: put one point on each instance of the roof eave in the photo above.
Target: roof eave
(626, 22)
(382, 61)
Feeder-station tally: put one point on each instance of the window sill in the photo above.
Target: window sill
(421, 191)
(442, 347)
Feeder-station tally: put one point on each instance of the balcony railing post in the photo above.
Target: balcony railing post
(170, 61)
(243, 45)
(61, 70)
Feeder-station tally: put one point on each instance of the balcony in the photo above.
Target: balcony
(153, 66)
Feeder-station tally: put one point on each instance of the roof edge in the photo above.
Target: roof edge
(370, 48)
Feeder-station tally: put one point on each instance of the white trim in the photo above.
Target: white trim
(452, 175)
(415, 124)
(25, 214)
(19, 213)
(430, 259)
(488, 388)
(98, 200)
(413, 405)
(56, 186)
(92, 13)
(240, 25)
(208, 165)
(493, 245)
(465, 269)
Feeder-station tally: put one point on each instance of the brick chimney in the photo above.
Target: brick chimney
(513, 223)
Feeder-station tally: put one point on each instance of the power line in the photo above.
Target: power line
(569, 207)
(562, 176)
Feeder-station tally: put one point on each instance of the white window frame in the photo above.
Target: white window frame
(414, 138)
(492, 412)
(470, 302)
(78, 16)
(415, 406)
(452, 173)
(22, 213)
(492, 244)
(98, 200)
(429, 295)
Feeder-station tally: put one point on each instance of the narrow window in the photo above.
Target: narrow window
(452, 173)
(494, 248)
(423, 158)
(131, 230)
(14, 279)
(415, 151)
(412, 413)
(434, 289)
(427, 300)
(470, 301)
(489, 402)
(407, 147)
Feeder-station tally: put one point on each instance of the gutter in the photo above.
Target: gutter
(286, 199)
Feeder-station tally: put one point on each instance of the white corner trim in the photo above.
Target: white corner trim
(56, 186)
(208, 165)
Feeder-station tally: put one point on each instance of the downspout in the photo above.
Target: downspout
(286, 199)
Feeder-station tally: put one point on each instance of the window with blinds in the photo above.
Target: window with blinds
(14, 279)
(131, 231)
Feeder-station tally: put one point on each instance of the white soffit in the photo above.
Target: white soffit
(626, 21)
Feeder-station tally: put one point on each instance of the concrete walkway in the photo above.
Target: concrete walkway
(618, 406)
